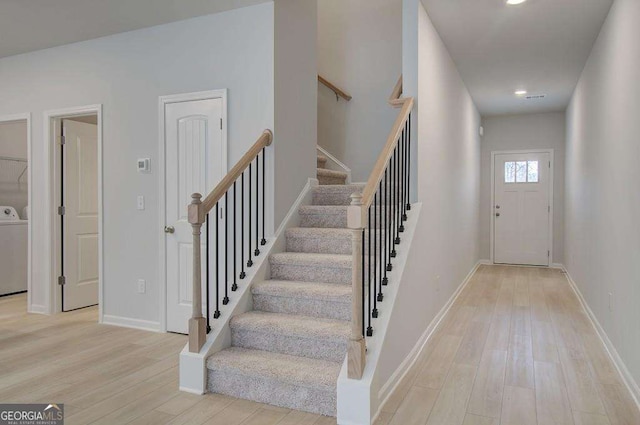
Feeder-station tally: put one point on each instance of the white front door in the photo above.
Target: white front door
(194, 163)
(80, 219)
(521, 210)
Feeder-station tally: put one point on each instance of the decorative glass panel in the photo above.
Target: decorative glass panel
(532, 172)
(509, 172)
(521, 172)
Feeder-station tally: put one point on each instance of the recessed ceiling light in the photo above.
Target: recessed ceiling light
(514, 2)
(520, 92)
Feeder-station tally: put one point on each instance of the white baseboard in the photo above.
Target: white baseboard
(622, 369)
(38, 309)
(127, 322)
(396, 378)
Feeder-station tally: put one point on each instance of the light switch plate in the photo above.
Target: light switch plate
(144, 165)
(142, 286)
(140, 202)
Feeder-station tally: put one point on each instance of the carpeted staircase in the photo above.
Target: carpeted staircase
(288, 351)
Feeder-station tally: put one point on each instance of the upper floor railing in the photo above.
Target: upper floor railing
(376, 217)
(230, 248)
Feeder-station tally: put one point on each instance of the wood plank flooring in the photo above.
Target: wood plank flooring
(515, 349)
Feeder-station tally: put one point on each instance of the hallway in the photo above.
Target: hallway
(516, 349)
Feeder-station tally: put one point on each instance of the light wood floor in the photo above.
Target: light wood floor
(516, 349)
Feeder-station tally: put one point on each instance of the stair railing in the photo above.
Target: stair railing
(376, 217)
(199, 214)
(337, 90)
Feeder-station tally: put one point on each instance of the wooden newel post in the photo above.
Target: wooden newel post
(356, 348)
(197, 323)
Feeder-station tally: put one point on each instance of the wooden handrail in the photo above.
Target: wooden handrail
(395, 99)
(378, 170)
(197, 212)
(216, 194)
(338, 91)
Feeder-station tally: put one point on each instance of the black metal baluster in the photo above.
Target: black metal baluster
(383, 226)
(369, 328)
(234, 286)
(374, 313)
(403, 161)
(362, 279)
(257, 251)
(216, 314)
(379, 230)
(394, 201)
(263, 241)
(242, 273)
(387, 212)
(406, 173)
(396, 230)
(225, 300)
(206, 270)
(408, 166)
(250, 261)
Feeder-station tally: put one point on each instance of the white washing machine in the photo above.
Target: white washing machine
(13, 251)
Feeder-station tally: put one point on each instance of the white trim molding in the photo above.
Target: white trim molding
(622, 369)
(337, 164)
(50, 119)
(163, 101)
(31, 308)
(128, 322)
(493, 194)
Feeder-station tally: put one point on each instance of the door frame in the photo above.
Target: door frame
(162, 102)
(27, 117)
(51, 123)
(493, 194)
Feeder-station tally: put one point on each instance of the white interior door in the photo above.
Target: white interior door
(195, 162)
(521, 210)
(80, 219)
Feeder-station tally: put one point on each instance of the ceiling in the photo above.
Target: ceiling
(540, 46)
(28, 25)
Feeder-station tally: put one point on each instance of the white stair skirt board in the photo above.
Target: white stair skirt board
(358, 399)
(622, 369)
(193, 368)
(327, 160)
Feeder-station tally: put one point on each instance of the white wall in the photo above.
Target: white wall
(13, 139)
(360, 51)
(445, 246)
(126, 73)
(296, 101)
(520, 132)
(602, 234)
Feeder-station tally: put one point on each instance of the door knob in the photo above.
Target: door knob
(169, 229)
(497, 214)
(497, 207)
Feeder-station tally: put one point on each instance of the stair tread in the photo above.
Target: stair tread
(319, 232)
(303, 290)
(311, 259)
(321, 158)
(323, 209)
(339, 188)
(295, 370)
(331, 173)
(291, 325)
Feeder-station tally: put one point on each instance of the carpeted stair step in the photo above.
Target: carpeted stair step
(323, 216)
(287, 381)
(331, 177)
(305, 267)
(321, 161)
(323, 300)
(335, 194)
(324, 339)
(319, 240)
